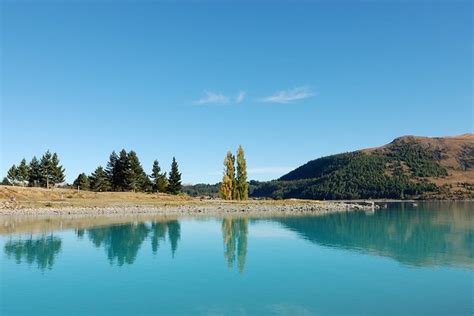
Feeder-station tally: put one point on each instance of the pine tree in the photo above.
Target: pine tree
(174, 181)
(99, 180)
(139, 179)
(23, 172)
(5, 181)
(242, 184)
(111, 171)
(51, 171)
(47, 169)
(82, 182)
(58, 170)
(12, 175)
(160, 183)
(34, 177)
(123, 172)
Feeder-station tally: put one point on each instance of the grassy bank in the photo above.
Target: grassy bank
(25, 197)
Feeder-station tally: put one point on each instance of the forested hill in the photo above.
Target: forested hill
(408, 167)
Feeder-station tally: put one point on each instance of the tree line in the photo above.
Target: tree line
(45, 172)
(124, 172)
(234, 184)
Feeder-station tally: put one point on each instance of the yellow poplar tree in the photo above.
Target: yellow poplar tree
(242, 184)
(228, 186)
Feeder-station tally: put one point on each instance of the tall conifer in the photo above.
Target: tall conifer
(58, 169)
(47, 170)
(111, 171)
(82, 182)
(99, 180)
(12, 175)
(34, 177)
(160, 183)
(174, 186)
(124, 172)
(139, 179)
(23, 172)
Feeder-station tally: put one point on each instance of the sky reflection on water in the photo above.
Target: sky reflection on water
(402, 249)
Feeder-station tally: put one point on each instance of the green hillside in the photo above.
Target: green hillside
(409, 167)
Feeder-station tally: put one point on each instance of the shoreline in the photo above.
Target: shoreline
(214, 208)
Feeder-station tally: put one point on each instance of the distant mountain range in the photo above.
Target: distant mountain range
(408, 167)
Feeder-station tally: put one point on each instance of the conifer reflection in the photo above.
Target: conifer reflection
(159, 229)
(42, 250)
(122, 242)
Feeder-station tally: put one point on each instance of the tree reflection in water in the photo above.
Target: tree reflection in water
(234, 232)
(160, 229)
(42, 250)
(122, 242)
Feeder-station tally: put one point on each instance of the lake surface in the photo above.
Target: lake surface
(404, 259)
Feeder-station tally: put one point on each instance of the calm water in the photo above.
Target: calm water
(401, 260)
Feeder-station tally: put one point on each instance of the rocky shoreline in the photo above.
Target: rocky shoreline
(199, 209)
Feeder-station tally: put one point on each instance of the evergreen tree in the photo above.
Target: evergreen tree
(174, 182)
(23, 171)
(139, 179)
(82, 182)
(160, 183)
(47, 170)
(5, 181)
(242, 184)
(34, 177)
(51, 171)
(12, 175)
(99, 180)
(111, 171)
(58, 170)
(123, 172)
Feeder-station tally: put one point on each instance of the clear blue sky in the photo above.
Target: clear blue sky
(291, 81)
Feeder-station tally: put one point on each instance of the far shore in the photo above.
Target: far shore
(25, 201)
(58, 201)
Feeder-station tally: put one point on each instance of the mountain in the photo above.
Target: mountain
(408, 167)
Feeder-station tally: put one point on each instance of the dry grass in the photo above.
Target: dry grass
(26, 197)
(41, 197)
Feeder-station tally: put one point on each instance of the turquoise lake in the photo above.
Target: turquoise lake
(401, 260)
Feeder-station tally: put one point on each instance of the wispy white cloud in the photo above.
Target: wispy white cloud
(290, 95)
(212, 98)
(240, 97)
(270, 170)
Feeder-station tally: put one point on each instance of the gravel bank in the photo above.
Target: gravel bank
(211, 209)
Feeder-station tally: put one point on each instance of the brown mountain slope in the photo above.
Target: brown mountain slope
(408, 167)
(455, 153)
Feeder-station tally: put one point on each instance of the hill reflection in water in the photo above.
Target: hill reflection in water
(431, 234)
